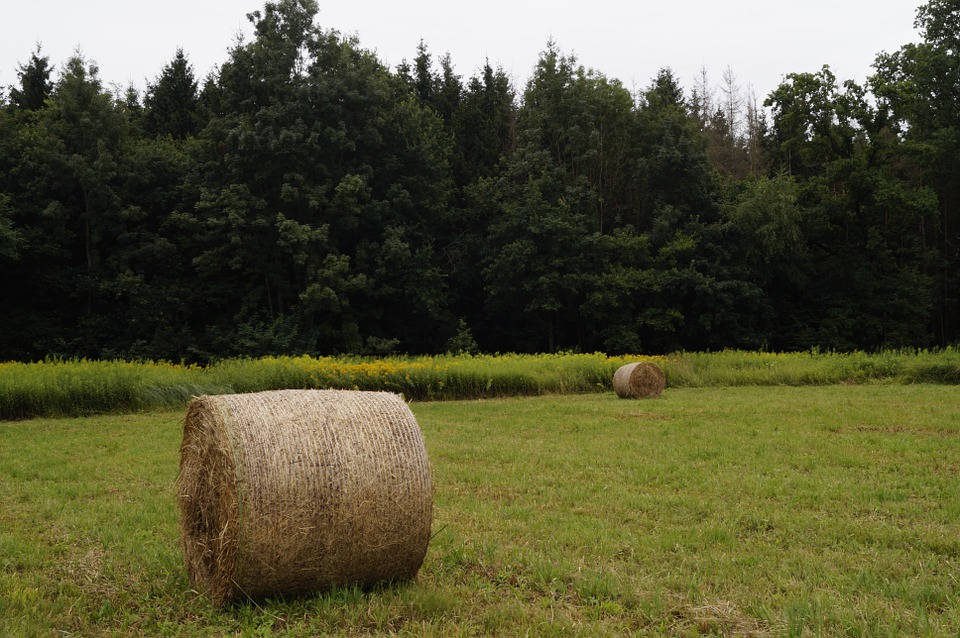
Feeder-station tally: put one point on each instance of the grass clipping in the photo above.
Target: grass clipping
(294, 491)
(643, 380)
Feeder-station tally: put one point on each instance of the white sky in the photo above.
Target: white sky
(761, 41)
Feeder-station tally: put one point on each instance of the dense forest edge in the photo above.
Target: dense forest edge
(304, 199)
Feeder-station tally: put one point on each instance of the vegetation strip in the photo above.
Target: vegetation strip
(78, 387)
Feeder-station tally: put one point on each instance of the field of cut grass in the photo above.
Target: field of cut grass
(736, 511)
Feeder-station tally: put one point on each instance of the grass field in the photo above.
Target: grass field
(739, 511)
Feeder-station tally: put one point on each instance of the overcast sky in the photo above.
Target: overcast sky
(760, 41)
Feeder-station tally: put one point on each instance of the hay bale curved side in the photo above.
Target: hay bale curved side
(642, 380)
(294, 491)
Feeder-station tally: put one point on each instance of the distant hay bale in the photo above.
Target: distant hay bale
(294, 491)
(643, 380)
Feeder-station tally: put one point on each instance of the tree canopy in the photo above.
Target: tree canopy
(305, 198)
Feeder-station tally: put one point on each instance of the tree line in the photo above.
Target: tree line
(305, 198)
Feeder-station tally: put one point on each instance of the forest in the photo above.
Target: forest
(306, 199)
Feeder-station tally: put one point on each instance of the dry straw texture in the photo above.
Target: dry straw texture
(643, 380)
(295, 491)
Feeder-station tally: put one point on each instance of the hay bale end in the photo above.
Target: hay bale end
(295, 491)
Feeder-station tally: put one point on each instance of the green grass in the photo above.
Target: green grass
(76, 388)
(762, 511)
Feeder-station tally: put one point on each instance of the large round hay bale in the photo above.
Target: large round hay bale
(643, 380)
(295, 491)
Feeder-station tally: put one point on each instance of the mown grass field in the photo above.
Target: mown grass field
(737, 511)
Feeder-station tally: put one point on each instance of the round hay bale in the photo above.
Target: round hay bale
(293, 491)
(643, 380)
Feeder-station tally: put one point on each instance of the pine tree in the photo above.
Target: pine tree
(35, 83)
(171, 102)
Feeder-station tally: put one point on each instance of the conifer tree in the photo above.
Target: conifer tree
(171, 101)
(35, 83)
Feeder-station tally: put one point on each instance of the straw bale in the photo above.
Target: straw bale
(294, 491)
(643, 380)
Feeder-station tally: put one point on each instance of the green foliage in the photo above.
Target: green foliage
(462, 342)
(536, 271)
(62, 388)
(67, 211)
(860, 277)
(483, 125)
(171, 102)
(308, 199)
(11, 238)
(323, 189)
(77, 387)
(917, 97)
(673, 171)
(605, 230)
(35, 83)
(766, 212)
(737, 367)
